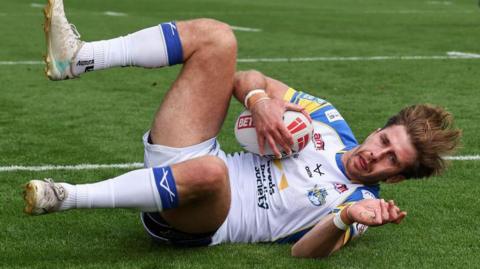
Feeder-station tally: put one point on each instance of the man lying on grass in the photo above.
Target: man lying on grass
(193, 194)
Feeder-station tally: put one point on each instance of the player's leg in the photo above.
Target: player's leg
(194, 108)
(196, 188)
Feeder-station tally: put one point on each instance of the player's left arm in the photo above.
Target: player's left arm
(326, 237)
(267, 108)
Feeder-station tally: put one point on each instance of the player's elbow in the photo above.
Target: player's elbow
(242, 77)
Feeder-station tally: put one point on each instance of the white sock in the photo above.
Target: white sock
(135, 189)
(152, 47)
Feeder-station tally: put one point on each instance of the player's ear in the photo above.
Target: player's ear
(395, 179)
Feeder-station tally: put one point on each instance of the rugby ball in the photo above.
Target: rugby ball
(297, 123)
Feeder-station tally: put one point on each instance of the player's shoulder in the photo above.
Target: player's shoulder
(324, 113)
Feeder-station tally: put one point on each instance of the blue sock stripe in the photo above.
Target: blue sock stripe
(166, 187)
(174, 45)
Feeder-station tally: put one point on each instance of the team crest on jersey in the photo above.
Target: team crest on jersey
(317, 196)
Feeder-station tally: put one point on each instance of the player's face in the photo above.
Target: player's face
(383, 155)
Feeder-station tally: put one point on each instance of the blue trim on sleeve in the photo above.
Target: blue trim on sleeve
(341, 126)
(357, 195)
(174, 45)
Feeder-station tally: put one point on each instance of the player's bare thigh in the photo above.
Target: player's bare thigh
(194, 108)
(204, 195)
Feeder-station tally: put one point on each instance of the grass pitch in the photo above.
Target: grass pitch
(101, 117)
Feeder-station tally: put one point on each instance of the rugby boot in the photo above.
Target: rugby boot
(43, 196)
(63, 42)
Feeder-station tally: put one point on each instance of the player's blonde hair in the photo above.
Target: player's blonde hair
(433, 135)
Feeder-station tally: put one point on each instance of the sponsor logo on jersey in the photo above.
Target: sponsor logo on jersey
(317, 196)
(265, 185)
(316, 170)
(309, 173)
(318, 141)
(333, 115)
(245, 122)
(340, 188)
(311, 98)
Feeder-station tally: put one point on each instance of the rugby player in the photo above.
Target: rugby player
(191, 193)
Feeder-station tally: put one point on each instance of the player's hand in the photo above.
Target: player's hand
(375, 212)
(268, 118)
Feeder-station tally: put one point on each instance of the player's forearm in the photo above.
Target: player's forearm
(321, 241)
(245, 81)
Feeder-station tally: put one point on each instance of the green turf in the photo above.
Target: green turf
(101, 117)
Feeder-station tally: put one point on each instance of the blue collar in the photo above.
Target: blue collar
(338, 158)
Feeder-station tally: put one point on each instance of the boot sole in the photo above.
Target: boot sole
(50, 70)
(30, 197)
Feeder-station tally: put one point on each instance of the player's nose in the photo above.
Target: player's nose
(378, 153)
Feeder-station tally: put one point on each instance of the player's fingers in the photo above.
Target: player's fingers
(293, 107)
(304, 112)
(286, 135)
(384, 208)
(298, 108)
(400, 217)
(261, 143)
(273, 146)
(282, 141)
(392, 211)
(378, 216)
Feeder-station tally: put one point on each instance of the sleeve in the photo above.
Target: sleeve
(324, 112)
(365, 192)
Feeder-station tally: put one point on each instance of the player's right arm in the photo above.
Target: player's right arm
(326, 238)
(267, 110)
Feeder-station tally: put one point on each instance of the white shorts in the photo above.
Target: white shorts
(160, 155)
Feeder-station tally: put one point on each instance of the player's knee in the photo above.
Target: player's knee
(212, 176)
(217, 33)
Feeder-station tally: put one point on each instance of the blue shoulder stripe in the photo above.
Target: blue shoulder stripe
(339, 124)
(364, 192)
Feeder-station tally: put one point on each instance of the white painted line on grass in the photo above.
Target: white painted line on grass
(245, 29)
(464, 158)
(446, 3)
(114, 14)
(401, 12)
(354, 58)
(20, 62)
(69, 167)
(49, 167)
(37, 5)
(463, 54)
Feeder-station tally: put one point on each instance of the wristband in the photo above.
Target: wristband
(337, 220)
(257, 100)
(252, 93)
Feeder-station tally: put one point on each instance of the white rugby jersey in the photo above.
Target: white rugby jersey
(281, 200)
